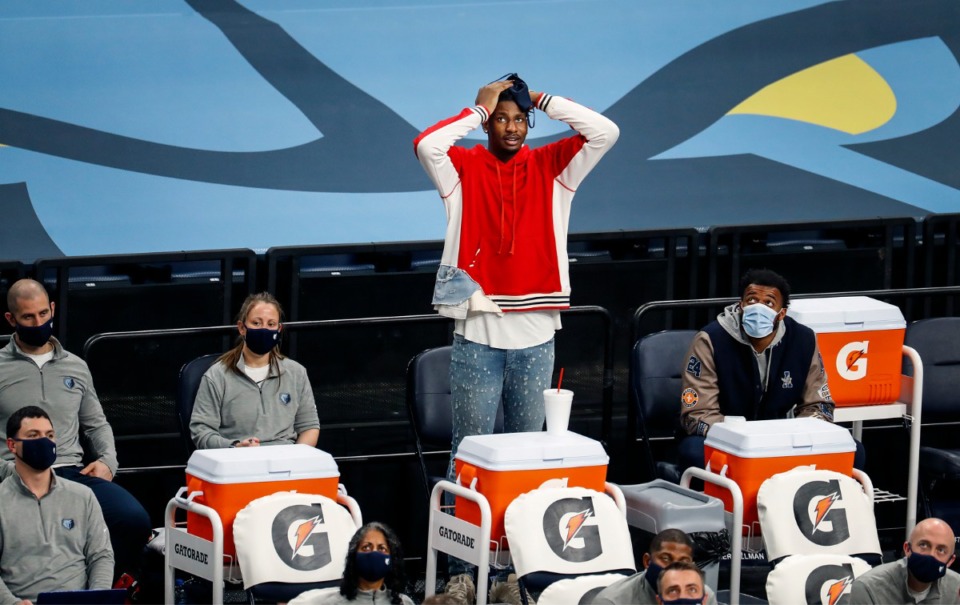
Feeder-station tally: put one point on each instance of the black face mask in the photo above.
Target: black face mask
(261, 340)
(925, 568)
(35, 336)
(40, 453)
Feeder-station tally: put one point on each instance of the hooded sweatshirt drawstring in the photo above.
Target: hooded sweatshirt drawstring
(503, 211)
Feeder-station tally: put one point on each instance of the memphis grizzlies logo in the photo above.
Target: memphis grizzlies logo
(285, 398)
(571, 529)
(68, 523)
(69, 382)
(300, 537)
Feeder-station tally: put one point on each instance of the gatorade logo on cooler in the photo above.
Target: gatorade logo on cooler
(852, 360)
(570, 527)
(299, 537)
(829, 584)
(819, 513)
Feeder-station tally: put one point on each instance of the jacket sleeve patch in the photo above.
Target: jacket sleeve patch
(689, 398)
(693, 366)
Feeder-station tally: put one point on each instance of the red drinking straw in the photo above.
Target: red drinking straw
(560, 381)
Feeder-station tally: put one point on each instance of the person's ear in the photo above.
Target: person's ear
(10, 319)
(241, 328)
(646, 560)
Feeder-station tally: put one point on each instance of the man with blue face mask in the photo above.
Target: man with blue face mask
(668, 547)
(754, 362)
(52, 533)
(923, 576)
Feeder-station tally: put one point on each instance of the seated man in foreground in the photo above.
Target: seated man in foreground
(52, 533)
(920, 577)
(667, 547)
(752, 361)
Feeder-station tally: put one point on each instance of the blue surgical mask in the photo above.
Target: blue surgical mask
(261, 340)
(39, 454)
(35, 336)
(925, 568)
(758, 320)
(373, 566)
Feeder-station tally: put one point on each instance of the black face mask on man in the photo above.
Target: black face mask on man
(925, 568)
(35, 336)
(39, 454)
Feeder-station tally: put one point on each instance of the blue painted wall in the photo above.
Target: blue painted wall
(161, 125)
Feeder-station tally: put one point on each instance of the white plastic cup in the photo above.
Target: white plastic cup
(557, 405)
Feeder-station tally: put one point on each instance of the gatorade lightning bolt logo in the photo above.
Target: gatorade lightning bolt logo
(571, 530)
(818, 515)
(829, 584)
(303, 532)
(574, 525)
(822, 507)
(300, 538)
(852, 360)
(837, 589)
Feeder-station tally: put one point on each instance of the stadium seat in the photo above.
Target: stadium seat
(289, 543)
(188, 384)
(562, 533)
(937, 341)
(429, 406)
(655, 366)
(822, 578)
(807, 511)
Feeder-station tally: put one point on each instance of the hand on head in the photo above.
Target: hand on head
(489, 95)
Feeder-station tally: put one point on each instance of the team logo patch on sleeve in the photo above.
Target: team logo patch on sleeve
(689, 398)
(693, 366)
(825, 393)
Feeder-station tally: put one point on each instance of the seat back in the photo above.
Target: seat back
(937, 341)
(656, 365)
(188, 383)
(429, 404)
(807, 511)
(556, 533)
(292, 538)
(814, 579)
(574, 591)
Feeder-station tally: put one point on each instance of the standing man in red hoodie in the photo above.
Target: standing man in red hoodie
(504, 272)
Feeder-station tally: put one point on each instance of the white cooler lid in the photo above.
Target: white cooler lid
(846, 314)
(782, 437)
(531, 451)
(265, 463)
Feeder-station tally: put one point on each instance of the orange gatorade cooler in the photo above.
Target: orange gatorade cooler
(755, 451)
(232, 478)
(506, 465)
(861, 341)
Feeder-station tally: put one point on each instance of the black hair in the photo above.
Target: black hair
(675, 536)
(16, 419)
(395, 581)
(768, 278)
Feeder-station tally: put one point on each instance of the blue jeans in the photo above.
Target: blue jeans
(126, 519)
(480, 378)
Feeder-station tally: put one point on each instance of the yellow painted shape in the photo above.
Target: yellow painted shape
(845, 94)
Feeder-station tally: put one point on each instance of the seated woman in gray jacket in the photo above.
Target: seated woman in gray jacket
(253, 395)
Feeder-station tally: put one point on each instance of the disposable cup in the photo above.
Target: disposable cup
(557, 407)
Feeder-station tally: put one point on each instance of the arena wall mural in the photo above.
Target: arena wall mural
(163, 125)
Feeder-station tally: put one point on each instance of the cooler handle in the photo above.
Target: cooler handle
(468, 476)
(717, 463)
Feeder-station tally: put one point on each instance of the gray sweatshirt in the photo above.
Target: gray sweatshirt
(58, 542)
(887, 583)
(230, 406)
(64, 388)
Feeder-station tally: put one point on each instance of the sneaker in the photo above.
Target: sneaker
(461, 588)
(508, 592)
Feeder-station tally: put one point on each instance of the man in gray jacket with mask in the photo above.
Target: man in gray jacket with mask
(35, 368)
(52, 533)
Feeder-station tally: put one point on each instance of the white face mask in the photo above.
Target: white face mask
(758, 320)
